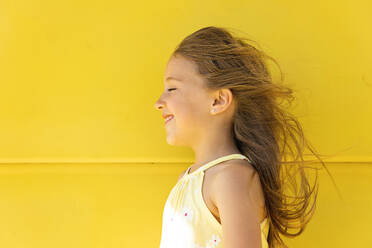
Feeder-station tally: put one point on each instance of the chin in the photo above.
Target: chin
(170, 140)
(174, 142)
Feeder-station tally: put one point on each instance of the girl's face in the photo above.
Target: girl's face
(186, 98)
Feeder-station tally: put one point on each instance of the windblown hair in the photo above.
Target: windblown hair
(263, 128)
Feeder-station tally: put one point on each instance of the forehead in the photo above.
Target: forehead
(180, 69)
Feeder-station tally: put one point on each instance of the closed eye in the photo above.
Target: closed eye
(172, 89)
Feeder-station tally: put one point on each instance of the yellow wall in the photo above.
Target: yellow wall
(84, 160)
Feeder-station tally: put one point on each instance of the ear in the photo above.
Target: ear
(223, 99)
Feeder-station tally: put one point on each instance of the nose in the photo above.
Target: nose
(158, 104)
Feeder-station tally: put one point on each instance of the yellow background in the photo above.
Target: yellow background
(84, 160)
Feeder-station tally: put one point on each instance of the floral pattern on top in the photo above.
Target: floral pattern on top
(213, 242)
(187, 213)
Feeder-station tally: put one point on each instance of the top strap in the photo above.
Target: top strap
(218, 160)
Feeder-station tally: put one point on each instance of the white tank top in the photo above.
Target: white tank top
(187, 221)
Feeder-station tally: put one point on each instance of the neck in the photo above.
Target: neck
(213, 147)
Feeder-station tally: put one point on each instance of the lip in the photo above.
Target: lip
(166, 122)
(165, 116)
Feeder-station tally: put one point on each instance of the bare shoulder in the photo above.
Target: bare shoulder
(238, 181)
(234, 172)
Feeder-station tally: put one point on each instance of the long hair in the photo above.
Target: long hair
(263, 128)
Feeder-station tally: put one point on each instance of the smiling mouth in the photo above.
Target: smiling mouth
(169, 120)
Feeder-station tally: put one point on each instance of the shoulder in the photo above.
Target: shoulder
(237, 181)
(234, 173)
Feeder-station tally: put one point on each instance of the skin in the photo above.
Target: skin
(208, 134)
(239, 204)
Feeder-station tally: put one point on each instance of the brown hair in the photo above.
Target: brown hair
(263, 129)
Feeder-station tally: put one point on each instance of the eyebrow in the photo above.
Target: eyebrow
(172, 78)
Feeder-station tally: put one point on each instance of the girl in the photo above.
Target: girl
(221, 101)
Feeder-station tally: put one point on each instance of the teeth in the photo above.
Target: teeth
(168, 118)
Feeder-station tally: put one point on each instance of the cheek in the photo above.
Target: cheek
(198, 107)
(190, 110)
(191, 115)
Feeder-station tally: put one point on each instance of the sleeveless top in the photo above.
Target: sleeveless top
(187, 221)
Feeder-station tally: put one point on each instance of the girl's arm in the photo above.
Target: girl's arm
(236, 191)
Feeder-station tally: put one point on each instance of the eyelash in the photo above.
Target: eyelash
(172, 89)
